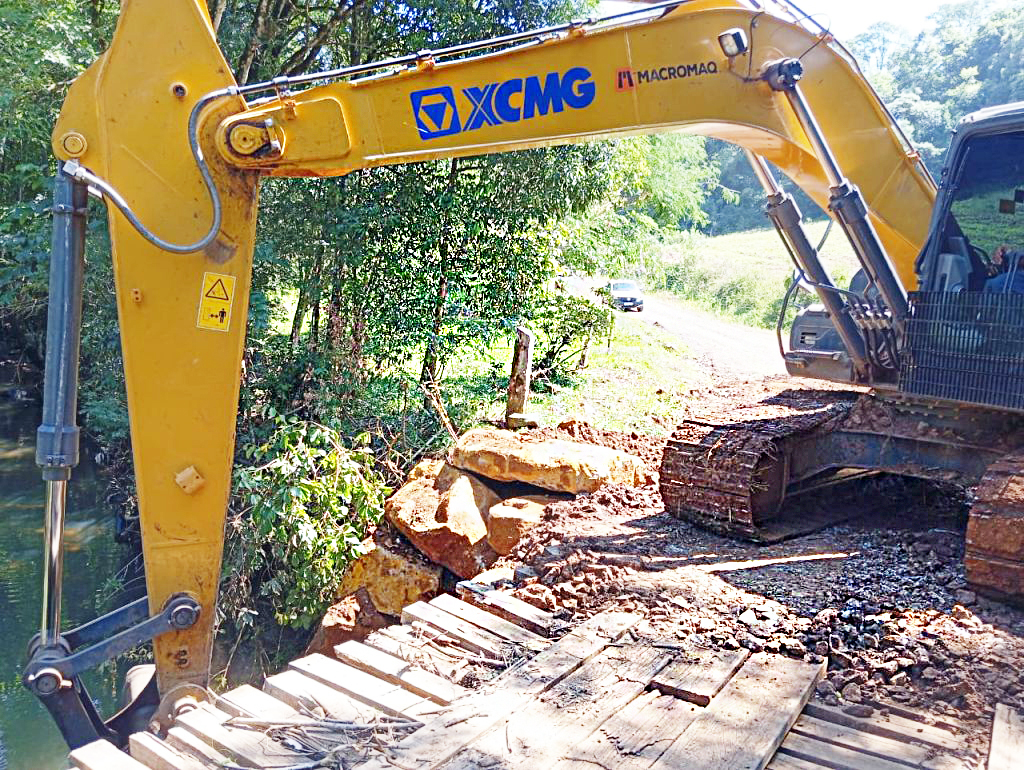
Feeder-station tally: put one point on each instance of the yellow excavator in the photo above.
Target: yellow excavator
(158, 129)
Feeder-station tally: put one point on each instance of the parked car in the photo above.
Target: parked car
(624, 295)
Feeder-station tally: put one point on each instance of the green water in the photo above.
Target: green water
(28, 739)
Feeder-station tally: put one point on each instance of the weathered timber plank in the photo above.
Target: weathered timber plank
(462, 722)
(914, 754)
(508, 607)
(633, 738)
(784, 762)
(490, 622)
(745, 723)
(308, 695)
(413, 647)
(185, 742)
(472, 638)
(157, 755)
(889, 725)
(1007, 749)
(831, 755)
(103, 755)
(609, 625)
(365, 688)
(550, 727)
(248, 748)
(941, 721)
(247, 701)
(701, 677)
(393, 669)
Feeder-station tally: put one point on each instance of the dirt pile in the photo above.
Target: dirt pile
(883, 598)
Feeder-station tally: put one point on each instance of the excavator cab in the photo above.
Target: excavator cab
(965, 337)
(980, 207)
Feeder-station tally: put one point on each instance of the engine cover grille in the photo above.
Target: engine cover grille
(965, 347)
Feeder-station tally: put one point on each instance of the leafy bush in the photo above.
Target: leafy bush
(565, 325)
(303, 506)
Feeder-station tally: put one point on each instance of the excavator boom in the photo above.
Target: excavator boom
(159, 126)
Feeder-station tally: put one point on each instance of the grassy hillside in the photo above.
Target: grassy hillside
(744, 275)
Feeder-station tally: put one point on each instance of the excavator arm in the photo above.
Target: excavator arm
(159, 128)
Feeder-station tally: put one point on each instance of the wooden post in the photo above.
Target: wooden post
(519, 382)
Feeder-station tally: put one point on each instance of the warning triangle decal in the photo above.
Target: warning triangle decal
(218, 291)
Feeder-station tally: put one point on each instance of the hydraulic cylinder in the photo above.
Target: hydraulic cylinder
(57, 440)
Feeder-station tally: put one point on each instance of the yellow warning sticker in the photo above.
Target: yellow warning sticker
(215, 302)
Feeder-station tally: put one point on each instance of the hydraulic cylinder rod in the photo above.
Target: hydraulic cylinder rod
(785, 214)
(846, 200)
(58, 436)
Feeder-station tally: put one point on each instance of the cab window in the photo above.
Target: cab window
(986, 216)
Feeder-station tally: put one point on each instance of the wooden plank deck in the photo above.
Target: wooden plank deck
(594, 697)
(1007, 749)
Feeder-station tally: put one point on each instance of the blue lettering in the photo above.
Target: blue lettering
(503, 100)
(578, 89)
(539, 100)
(438, 114)
(482, 100)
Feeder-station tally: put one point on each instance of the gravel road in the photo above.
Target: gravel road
(726, 349)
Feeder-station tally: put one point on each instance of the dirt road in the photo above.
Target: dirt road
(727, 349)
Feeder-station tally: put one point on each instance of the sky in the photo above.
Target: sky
(848, 18)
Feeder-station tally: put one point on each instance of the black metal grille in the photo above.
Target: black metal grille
(966, 347)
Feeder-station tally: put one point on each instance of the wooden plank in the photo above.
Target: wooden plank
(913, 754)
(941, 721)
(633, 738)
(1007, 739)
(488, 621)
(831, 755)
(508, 607)
(889, 725)
(699, 678)
(247, 701)
(469, 636)
(103, 755)
(470, 717)
(308, 695)
(247, 748)
(394, 669)
(157, 755)
(365, 688)
(785, 762)
(547, 729)
(413, 647)
(745, 723)
(187, 743)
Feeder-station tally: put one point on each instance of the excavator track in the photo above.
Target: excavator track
(994, 557)
(731, 475)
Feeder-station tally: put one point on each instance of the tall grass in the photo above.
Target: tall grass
(743, 275)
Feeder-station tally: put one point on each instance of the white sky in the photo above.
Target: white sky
(848, 18)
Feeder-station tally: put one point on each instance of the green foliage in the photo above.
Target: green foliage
(744, 275)
(565, 326)
(303, 504)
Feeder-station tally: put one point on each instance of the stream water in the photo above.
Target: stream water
(28, 738)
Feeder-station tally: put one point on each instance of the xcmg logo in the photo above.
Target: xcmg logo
(438, 113)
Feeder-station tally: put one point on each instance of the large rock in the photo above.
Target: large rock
(353, 618)
(561, 466)
(393, 574)
(510, 519)
(444, 516)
